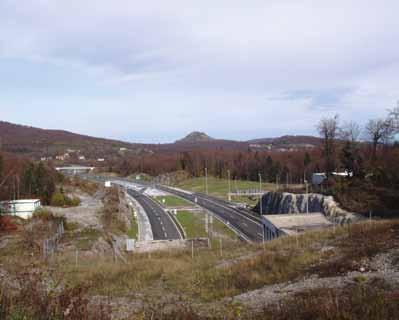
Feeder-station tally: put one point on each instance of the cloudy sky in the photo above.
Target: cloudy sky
(152, 71)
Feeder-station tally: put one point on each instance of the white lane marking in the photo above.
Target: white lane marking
(166, 235)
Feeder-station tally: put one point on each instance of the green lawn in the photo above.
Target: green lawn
(134, 229)
(172, 201)
(220, 228)
(192, 223)
(220, 187)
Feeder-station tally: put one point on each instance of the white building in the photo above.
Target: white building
(20, 208)
(318, 178)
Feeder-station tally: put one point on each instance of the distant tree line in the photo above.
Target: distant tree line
(369, 153)
(21, 179)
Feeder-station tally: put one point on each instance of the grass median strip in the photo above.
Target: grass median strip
(172, 201)
(192, 224)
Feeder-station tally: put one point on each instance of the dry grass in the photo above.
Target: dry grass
(375, 300)
(210, 276)
(360, 243)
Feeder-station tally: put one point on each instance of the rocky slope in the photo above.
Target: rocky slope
(288, 203)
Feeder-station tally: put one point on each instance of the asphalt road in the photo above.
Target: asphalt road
(163, 228)
(249, 229)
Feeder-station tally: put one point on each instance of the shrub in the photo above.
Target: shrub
(32, 301)
(58, 200)
(43, 214)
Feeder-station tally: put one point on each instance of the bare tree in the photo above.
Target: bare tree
(350, 131)
(328, 129)
(379, 131)
(350, 153)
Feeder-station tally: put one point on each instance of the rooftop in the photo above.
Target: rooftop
(296, 223)
(21, 201)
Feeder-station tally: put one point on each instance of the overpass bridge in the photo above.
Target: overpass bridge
(74, 169)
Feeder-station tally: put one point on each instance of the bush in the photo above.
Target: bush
(72, 202)
(60, 200)
(57, 200)
(32, 302)
(43, 214)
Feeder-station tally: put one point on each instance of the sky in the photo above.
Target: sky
(153, 71)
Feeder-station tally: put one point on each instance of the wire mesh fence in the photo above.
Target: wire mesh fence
(50, 245)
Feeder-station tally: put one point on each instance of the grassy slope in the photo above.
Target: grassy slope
(194, 226)
(192, 223)
(172, 201)
(220, 187)
(134, 229)
(282, 260)
(200, 280)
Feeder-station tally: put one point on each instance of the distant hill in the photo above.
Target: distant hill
(286, 142)
(34, 141)
(37, 143)
(194, 137)
(289, 139)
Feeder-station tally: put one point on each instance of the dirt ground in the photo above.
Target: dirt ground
(87, 214)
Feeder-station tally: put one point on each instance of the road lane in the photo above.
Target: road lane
(163, 228)
(247, 227)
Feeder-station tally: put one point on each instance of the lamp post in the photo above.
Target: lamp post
(206, 181)
(260, 194)
(307, 196)
(228, 174)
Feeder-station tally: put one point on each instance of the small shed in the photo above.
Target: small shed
(20, 208)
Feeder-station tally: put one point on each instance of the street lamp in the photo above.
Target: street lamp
(206, 180)
(260, 194)
(307, 196)
(228, 174)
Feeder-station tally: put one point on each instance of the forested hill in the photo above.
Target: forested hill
(37, 142)
(29, 140)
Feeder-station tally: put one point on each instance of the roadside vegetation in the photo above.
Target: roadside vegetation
(133, 231)
(192, 223)
(172, 201)
(111, 215)
(220, 187)
(200, 286)
(60, 199)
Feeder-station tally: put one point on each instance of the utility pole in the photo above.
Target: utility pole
(307, 196)
(228, 173)
(206, 181)
(260, 194)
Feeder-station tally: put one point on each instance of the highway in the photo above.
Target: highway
(163, 228)
(248, 228)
